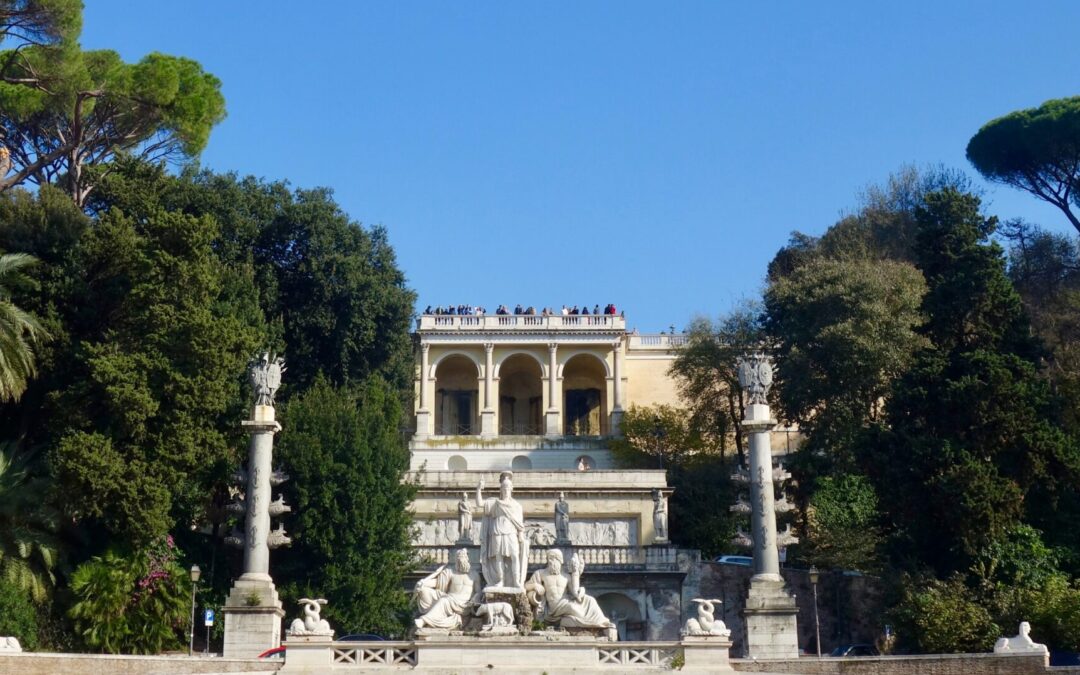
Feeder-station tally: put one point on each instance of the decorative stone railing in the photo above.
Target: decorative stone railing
(656, 342)
(374, 654)
(520, 322)
(629, 654)
(606, 557)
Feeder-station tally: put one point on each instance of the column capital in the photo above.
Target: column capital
(552, 346)
(489, 347)
(425, 347)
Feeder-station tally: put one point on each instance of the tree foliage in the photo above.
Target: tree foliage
(352, 524)
(1036, 150)
(664, 437)
(29, 547)
(942, 617)
(970, 426)
(842, 525)
(705, 371)
(39, 22)
(20, 330)
(843, 329)
(62, 120)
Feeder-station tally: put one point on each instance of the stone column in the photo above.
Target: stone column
(758, 424)
(423, 415)
(253, 610)
(551, 418)
(487, 415)
(770, 612)
(257, 520)
(617, 409)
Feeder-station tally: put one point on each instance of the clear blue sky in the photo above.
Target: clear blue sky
(654, 155)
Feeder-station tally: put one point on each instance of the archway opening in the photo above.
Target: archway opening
(521, 396)
(457, 393)
(624, 613)
(584, 397)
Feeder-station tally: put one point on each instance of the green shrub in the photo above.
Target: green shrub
(132, 602)
(940, 617)
(18, 615)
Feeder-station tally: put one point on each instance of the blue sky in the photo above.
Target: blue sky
(654, 155)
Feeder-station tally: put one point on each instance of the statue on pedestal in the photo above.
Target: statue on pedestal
(1020, 643)
(311, 623)
(660, 524)
(706, 624)
(464, 510)
(755, 377)
(265, 377)
(562, 520)
(504, 546)
(561, 599)
(445, 595)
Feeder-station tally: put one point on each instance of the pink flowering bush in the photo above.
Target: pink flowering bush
(133, 602)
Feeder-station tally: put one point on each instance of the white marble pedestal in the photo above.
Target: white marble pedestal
(706, 653)
(769, 616)
(253, 616)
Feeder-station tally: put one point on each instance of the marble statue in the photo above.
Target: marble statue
(504, 546)
(265, 377)
(445, 595)
(755, 377)
(464, 510)
(1021, 642)
(659, 515)
(499, 617)
(10, 644)
(562, 519)
(561, 599)
(311, 623)
(706, 623)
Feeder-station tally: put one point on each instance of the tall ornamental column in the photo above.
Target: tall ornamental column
(551, 418)
(423, 415)
(770, 612)
(487, 415)
(253, 610)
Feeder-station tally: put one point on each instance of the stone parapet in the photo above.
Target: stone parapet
(937, 664)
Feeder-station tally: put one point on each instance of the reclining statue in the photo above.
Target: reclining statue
(445, 595)
(1019, 643)
(561, 599)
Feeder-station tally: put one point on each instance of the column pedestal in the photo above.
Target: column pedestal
(253, 616)
(769, 618)
(551, 423)
(423, 424)
(487, 424)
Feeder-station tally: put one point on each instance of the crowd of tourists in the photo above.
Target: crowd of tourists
(471, 310)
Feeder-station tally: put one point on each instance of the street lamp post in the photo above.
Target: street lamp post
(814, 576)
(195, 572)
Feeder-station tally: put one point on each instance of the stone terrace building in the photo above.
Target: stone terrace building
(543, 396)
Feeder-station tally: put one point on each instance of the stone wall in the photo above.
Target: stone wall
(101, 664)
(849, 607)
(936, 664)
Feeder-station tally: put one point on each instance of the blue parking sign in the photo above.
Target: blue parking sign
(208, 617)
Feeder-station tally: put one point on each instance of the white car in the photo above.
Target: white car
(741, 560)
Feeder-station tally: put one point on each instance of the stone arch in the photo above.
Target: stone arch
(625, 614)
(521, 395)
(521, 463)
(585, 405)
(457, 395)
(457, 463)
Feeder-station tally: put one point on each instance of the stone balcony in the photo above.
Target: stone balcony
(525, 323)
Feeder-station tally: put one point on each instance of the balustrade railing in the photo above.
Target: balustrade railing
(609, 557)
(519, 322)
(378, 654)
(521, 430)
(404, 655)
(657, 341)
(446, 429)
